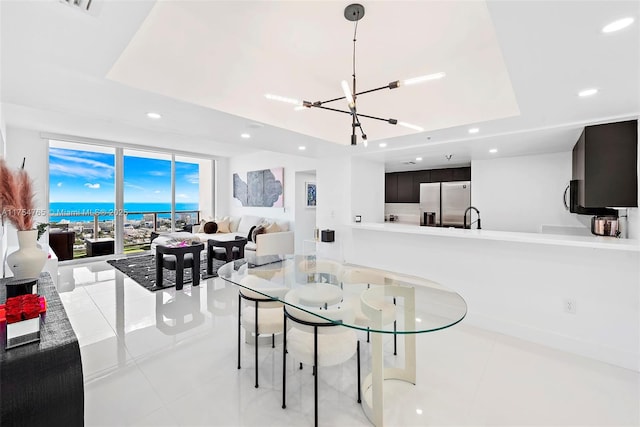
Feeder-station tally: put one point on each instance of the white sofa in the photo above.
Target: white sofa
(276, 240)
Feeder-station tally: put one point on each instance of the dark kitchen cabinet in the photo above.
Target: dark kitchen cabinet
(391, 188)
(441, 175)
(461, 174)
(605, 165)
(405, 188)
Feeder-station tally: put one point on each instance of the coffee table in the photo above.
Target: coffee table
(228, 245)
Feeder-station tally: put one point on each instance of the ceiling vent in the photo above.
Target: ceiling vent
(87, 6)
(409, 163)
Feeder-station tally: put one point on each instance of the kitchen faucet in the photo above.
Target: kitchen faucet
(465, 217)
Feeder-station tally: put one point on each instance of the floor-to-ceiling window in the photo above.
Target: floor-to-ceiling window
(81, 193)
(159, 192)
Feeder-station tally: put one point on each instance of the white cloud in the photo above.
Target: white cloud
(92, 186)
(75, 166)
(182, 196)
(137, 187)
(59, 184)
(193, 178)
(157, 173)
(157, 192)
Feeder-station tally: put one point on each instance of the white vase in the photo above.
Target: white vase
(27, 262)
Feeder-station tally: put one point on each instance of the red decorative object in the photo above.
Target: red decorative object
(23, 307)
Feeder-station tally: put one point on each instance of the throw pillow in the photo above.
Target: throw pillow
(250, 235)
(223, 225)
(210, 227)
(272, 228)
(258, 230)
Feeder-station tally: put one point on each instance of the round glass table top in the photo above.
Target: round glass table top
(351, 295)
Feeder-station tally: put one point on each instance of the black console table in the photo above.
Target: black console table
(41, 383)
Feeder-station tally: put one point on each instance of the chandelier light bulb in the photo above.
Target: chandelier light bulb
(618, 25)
(347, 92)
(410, 126)
(282, 99)
(421, 79)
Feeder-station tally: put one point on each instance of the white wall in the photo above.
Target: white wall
(523, 193)
(258, 161)
(367, 194)
(23, 143)
(305, 217)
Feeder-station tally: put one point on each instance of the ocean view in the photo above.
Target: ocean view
(83, 212)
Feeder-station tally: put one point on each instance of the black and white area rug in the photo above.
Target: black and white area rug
(142, 269)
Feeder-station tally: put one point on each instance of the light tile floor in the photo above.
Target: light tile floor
(169, 359)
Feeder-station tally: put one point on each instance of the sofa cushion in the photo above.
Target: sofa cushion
(210, 227)
(223, 225)
(234, 221)
(246, 222)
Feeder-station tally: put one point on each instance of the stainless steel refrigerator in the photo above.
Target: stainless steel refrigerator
(443, 204)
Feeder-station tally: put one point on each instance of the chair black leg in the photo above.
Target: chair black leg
(300, 365)
(284, 362)
(273, 340)
(358, 351)
(395, 337)
(367, 334)
(239, 326)
(256, 342)
(315, 366)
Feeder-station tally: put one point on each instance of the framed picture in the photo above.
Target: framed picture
(311, 194)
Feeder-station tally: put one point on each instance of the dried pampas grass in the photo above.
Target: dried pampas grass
(16, 197)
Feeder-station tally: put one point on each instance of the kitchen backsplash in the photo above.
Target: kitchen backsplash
(407, 213)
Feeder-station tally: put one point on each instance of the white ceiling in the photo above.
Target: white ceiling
(205, 66)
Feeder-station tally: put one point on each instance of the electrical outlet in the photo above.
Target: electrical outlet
(569, 305)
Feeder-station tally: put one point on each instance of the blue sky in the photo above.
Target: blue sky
(85, 176)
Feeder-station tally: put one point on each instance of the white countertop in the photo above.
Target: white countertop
(597, 242)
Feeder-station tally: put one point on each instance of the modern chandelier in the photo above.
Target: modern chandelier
(354, 13)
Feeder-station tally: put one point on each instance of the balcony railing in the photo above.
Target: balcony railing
(138, 227)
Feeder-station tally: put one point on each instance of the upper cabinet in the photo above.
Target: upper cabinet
(404, 187)
(605, 165)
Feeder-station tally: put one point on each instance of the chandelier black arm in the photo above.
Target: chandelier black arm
(392, 85)
(317, 105)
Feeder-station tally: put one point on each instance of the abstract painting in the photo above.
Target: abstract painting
(259, 188)
(311, 194)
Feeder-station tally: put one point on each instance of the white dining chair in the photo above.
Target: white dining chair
(260, 314)
(315, 341)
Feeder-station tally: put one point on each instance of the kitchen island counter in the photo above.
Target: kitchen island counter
(596, 242)
(573, 293)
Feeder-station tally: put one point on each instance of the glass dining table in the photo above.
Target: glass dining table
(385, 304)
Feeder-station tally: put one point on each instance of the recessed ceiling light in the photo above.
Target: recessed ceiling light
(418, 159)
(382, 144)
(587, 92)
(617, 25)
(493, 150)
(154, 116)
(245, 135)
(419, 411)
(474, 130)
(302, 148)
